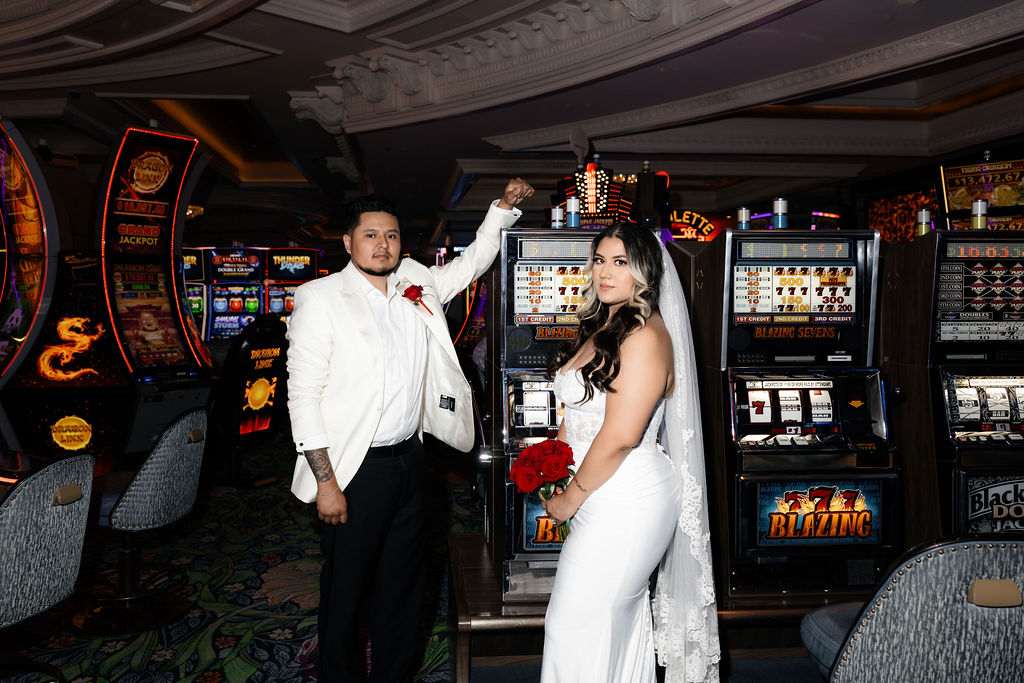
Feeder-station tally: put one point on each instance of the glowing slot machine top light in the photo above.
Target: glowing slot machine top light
(600, 198)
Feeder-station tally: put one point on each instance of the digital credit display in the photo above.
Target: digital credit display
(554, 249)
(794, 250)
(959, 249)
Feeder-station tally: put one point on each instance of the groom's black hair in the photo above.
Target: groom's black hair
(365, 204)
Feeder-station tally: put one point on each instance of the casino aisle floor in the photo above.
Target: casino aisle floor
(252, 563)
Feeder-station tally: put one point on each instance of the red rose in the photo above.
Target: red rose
(524, 476)
(549, 459)
(553, 467)
(414, 293)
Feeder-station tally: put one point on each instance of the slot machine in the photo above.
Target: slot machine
(540, 282)
(287, 269)
(194, 275)
(119, 356)
(235, 291)
(954, 348)
(28, 230)
(803, 483)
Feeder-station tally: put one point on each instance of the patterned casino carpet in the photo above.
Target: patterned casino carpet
(252, 560)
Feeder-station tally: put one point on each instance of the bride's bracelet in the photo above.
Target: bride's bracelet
(579, 485)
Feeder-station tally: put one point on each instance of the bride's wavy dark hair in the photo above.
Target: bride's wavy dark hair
(643, 255)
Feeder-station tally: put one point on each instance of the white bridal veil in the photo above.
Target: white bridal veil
(685, 614)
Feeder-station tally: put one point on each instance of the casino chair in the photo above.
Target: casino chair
(162, 491)
(949, 611)
(43, 520)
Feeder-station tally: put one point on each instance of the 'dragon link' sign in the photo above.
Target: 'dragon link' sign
(833, 512)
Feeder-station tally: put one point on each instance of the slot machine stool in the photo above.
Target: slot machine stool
(161, 492)
(949, 611)
(43, 520)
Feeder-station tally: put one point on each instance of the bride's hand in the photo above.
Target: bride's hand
(543, 500)
(558, 507)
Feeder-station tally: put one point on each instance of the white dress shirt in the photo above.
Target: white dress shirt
(404, 341)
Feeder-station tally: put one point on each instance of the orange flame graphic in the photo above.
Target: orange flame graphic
(71, 330)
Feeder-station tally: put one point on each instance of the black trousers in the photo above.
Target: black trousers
(376, 559)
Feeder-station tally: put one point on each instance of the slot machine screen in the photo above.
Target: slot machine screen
(979, 293)
(146, 317)
(193, 265)
(236, 264)
(786, 410)
(291, 264)
(798, 301)
(532, 403)
(546, 284)
(984, 409)
(281, 299)
(195, 294)
(232, 307)
(820, 512)
(822, 419)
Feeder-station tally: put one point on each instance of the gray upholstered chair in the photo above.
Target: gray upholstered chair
(42, 530)
(161, 492)
(950, 611)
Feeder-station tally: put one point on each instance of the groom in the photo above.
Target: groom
(370, 367)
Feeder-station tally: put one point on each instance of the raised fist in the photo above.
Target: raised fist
(516, 191)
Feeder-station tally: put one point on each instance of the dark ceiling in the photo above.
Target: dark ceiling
(302, 104)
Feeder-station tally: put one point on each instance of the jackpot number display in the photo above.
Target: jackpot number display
(1013, 250)
(548, 288)
(794, 289)
(794, 250)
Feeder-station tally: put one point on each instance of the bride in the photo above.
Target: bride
(634, 506)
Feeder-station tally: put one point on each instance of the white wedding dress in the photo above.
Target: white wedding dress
(653, 510)
(598, 627)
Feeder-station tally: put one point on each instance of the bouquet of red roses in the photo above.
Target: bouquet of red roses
(542, 467)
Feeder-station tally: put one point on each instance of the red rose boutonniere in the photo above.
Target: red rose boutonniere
(414, 293)
(543, 466)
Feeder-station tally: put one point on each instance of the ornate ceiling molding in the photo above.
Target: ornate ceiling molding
(565, 44)
(25, 20)
(998, 118)
(189, 58)
(339, 15)
(928, 47)
(52, 36)
(835, 137)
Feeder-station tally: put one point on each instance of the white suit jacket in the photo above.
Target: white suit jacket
(335, 368)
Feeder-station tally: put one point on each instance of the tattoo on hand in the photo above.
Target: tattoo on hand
(319, 463)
